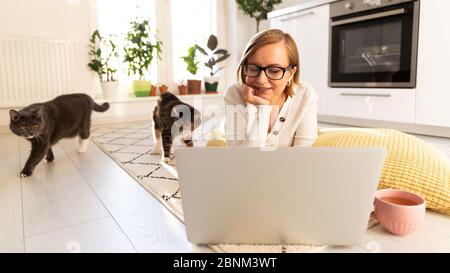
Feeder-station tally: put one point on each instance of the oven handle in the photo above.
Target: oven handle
(366, 95)
(369, 17)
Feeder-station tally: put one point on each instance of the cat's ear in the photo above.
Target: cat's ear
(14, 115)
(38, 111)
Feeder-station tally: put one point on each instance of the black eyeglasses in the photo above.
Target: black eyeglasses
(272, 72)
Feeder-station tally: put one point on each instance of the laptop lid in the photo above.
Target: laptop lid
(290, 195)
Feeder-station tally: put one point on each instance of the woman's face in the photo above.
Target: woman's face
(271, 55)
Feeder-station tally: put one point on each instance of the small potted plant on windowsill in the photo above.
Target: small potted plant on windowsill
(194, 86)
(214, 56)
(182, 88)
(163, 89)
(153, 90)
(139, 53)
(104, 58)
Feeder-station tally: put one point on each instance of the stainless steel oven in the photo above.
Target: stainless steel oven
(373, 43)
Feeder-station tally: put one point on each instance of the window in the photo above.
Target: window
(192, 22)
(114, 17)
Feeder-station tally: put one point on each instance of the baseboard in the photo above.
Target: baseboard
(404, 127)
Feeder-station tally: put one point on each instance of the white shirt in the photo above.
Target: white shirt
(247, 125)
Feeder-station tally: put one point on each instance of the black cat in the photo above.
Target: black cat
(44, 124)
(169, 122)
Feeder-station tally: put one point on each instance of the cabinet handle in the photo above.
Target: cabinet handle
(296, 15)
(366, 95)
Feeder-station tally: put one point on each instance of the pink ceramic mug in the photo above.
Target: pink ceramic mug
(399, 212)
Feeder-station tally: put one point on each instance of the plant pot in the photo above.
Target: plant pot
(110, 90)
(142, 88)
(211, 84)
(163, 89)
(153, 91)
(182, 89)
(194, 86)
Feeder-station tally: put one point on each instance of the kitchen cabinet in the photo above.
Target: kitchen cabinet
(433, 82)
(395, 105)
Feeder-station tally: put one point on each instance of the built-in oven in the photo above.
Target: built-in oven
(373, 43)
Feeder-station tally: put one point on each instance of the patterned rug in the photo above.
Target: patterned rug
(129, 145)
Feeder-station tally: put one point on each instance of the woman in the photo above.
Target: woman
(270, 107)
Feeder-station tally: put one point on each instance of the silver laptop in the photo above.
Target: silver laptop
(320, 196)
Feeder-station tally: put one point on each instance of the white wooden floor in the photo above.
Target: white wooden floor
(87, 203)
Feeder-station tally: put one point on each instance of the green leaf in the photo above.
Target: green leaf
(220, 51)
(190, 59)
(212, 42)
(222, 58)
(211, 62)
(215, 72)
(201, 50)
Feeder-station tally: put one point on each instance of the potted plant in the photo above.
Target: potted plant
(257, 9)
(194, 86)
(163, 89)
(139, 53)
(182, 88)
(214, 56)
(103, 52)
(153, 90)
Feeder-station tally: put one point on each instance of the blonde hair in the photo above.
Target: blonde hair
(272, 36)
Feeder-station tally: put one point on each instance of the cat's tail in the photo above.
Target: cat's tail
(100, 108)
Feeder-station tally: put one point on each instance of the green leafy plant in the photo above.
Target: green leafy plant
(141, 48)
(103, 51)
(257, 9)
(214, 55)
(191, 60)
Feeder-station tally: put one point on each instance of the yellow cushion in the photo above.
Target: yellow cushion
(216, 139)
(411, 164)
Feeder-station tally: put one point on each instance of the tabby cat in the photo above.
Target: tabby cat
(44, 124)
(173, 118)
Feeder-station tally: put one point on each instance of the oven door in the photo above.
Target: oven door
(375, 49)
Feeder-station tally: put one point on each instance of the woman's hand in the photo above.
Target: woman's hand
(248, 93)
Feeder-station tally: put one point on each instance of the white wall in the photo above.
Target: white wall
(165, 69)
(52, 19)
(225, 34)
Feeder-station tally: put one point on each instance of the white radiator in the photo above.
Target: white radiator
(35, 70)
